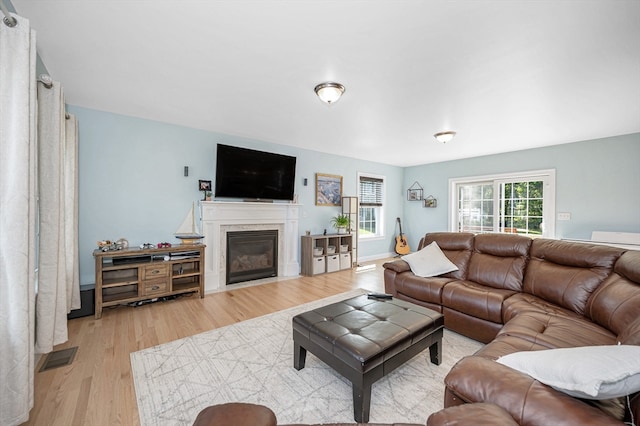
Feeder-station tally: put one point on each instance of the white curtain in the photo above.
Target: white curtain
(17, 220)
(71, 211)
(58, 284)
(38, 161)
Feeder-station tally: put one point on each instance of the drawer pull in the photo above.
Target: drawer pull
(155, 287)
(155, 271)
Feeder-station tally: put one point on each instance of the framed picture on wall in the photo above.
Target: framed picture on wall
(328, 190)
(204, 185)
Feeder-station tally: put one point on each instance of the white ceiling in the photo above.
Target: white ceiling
(506, 75)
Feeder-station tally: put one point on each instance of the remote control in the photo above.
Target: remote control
(379, 296)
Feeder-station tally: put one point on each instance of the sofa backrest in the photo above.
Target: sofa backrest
(457, 246)
(566, 273)
(499, 260)
(616, 303)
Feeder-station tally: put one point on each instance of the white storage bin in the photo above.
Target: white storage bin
(319, 265)
(333, 263)
(345, 261)
(344, 248)
(331, 249)
(318, 251)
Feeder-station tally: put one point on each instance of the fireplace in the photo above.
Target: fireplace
(251, 255)
(222, 217)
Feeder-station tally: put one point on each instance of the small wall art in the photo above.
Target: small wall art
(328, 190)
(415, 192)
(430, 202)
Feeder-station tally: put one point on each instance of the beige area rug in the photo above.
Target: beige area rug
(252, 361)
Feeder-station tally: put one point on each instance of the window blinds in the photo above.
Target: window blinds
(371, 191)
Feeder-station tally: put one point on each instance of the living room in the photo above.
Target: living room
(132, 181)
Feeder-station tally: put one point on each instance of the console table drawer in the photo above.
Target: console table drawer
(155, 271)
(155, 287)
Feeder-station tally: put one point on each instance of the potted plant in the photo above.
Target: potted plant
(341, 222)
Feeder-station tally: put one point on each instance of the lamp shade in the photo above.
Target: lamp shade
(329, 92)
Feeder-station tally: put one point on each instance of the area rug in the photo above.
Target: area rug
(252, 361)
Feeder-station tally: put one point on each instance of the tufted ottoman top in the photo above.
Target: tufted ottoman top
(364, 332)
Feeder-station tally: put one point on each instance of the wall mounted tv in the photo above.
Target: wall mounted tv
(255, 175)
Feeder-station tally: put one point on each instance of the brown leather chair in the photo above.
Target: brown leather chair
(237, 414)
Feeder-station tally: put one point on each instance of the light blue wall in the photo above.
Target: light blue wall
(597, 181)
(131, 181)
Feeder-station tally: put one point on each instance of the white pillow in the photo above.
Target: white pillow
(589, 372)
(429, 262)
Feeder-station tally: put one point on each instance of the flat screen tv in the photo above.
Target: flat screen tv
(250, 174)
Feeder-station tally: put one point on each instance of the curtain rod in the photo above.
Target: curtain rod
(8, 20)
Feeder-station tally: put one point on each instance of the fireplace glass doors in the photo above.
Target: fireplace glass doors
(251, 255)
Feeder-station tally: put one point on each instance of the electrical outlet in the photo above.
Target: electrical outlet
(564, 216)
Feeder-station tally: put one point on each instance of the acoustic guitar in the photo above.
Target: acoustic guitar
(402, 247)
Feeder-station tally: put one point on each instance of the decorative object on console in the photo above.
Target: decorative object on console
(188, 231)
(107, 245)
(341, 222)
(328, 190)
(444, 137)
(122, 242)
(429, 262)
(430, 202)
(205, 187)
(329, 92)
(415, 192)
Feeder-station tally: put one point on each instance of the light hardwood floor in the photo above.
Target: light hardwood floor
(97, 388)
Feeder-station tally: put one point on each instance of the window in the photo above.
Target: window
(371, 191)
(517, 203)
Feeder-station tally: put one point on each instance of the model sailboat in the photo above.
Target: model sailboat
(189, 231)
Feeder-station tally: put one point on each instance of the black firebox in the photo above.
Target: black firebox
(251, 255)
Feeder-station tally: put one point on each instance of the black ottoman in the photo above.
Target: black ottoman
(365, 339)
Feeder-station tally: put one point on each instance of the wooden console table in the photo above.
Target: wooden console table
(131, 275)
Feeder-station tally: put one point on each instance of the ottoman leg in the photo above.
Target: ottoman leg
(299, 356)
(361, 403)
(435, 352)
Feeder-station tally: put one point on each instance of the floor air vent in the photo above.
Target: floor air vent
(59, 358)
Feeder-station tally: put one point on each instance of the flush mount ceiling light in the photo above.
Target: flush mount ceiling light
(444, 137)
(329, 92)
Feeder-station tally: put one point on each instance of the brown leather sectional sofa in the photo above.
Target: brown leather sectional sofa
(518, 294)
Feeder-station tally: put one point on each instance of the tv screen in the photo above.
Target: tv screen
(250, 174)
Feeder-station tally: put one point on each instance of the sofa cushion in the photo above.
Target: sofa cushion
(504, 344)
(591, 372)
(475, 299)
(616, 303)
(499, 260)
(566, 273)
(429, 262)
(457, 246)
(524, 302)
(556, 331)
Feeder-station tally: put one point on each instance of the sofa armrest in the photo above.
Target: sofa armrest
(397, 265)
(478, 379)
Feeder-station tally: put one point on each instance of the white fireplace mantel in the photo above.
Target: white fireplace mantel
(219, 217)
